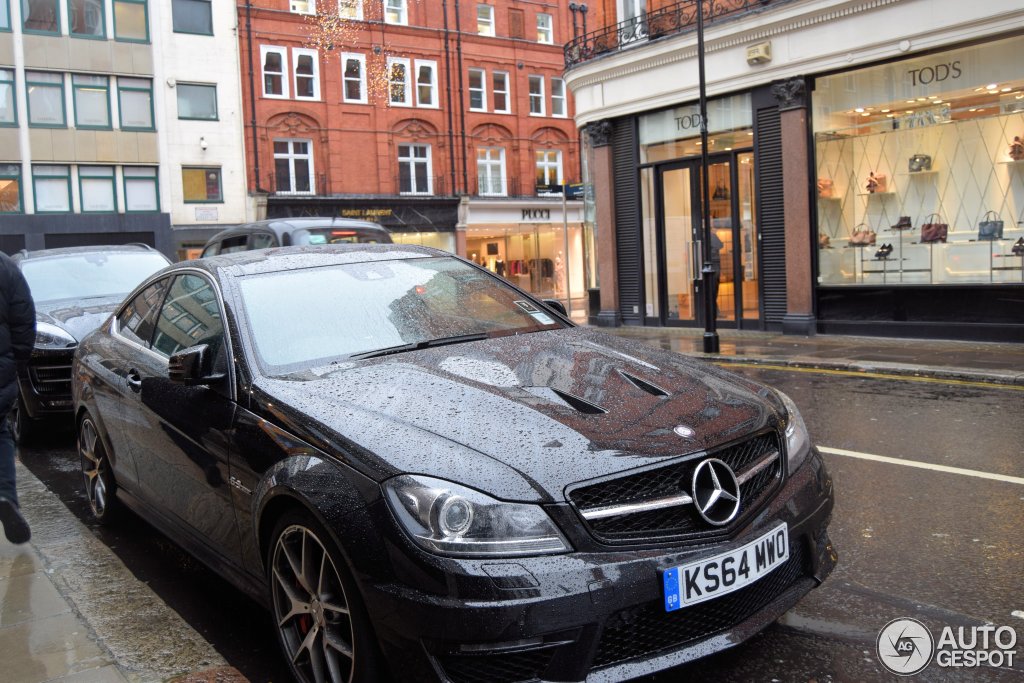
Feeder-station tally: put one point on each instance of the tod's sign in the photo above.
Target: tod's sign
(926, 75)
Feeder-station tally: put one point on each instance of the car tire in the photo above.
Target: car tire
(319, 616)
(23, 428)
(97, 476)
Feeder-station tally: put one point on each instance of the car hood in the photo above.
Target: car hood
(554, 407)
(78, 316)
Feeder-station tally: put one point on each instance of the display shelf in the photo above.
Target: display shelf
(1011, 161)
(829, 199)
(913, 173)
(877, 194)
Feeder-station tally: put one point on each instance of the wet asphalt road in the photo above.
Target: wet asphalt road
(947, 549)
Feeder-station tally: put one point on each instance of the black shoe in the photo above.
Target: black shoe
(1018, 247)
(15, 527)
(883, 251)
(903, 224)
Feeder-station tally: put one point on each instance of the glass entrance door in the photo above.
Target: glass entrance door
(678, 229)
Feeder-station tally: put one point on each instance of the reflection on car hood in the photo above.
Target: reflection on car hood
(557, 407)
(79, 317)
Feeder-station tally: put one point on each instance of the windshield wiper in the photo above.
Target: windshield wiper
(416, 346)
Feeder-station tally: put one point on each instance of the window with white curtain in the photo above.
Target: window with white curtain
(558, 97)
(140, 189)
(45, 99)
(92, 101)
(135, 103)
(96, 188)
(490, 171)
(52, 188)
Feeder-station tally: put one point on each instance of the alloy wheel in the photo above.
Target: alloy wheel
(95, 468)
(311, 609)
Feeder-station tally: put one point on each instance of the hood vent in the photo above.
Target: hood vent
(566, 399)
(644, 386)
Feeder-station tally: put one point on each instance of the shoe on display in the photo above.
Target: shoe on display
(903, 224)
(1018, 247)
(15, 527)
(883, 251)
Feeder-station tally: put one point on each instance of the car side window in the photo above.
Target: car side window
(211, 250)
(261, 240)
(190, 316)
(230, 245)
(137, 320)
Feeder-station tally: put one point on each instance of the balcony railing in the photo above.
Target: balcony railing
(669, 20)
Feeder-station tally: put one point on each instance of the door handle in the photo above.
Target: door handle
(134, 380)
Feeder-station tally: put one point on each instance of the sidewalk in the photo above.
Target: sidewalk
(1000, 363)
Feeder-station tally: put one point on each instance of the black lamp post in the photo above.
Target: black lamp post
(708, 270)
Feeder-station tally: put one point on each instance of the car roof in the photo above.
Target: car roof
(240, 264)
(24, 254)
(280, 226)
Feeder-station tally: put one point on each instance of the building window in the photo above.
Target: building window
(201, 185)
(477, 90)
(307, 74)
(193, 16)
(40, 16)
(536, 96)
(52, 188)
(353, 74)
(502, 103)
(86, 18)
(544, 32)
(45, 99)
(426, 83)
(399, 90)
(131, 21)
(5, 16)
(350, 9)
(8, 105)
(558, 97)
(96, 188)
(303, 6)
(92, 101)
(140, 189)
(414, 169)
(135, 102)
(549, 171)
(396, 12)
(293, 166)
(490, 171)
(197, 101)
(485, 20)
(10, 188)
(274, 82)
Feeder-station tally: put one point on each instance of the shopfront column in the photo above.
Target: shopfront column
(792, 99)
(603, 177)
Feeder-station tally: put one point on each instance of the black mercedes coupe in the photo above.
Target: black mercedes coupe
(426, 474)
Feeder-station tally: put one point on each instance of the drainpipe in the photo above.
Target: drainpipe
(448, 79)
(462, 97)
(252, 95)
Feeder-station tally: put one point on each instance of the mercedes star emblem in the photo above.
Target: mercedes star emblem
(716, 493)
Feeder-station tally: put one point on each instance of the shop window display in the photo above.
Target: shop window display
(921, 154)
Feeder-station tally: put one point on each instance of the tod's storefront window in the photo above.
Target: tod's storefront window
(920, 170)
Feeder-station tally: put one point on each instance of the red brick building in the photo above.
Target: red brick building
(447, 122)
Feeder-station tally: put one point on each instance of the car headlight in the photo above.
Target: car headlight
(798, 441)
(50, 337)
(450, 519)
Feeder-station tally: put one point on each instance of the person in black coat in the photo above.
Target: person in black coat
(17, 337)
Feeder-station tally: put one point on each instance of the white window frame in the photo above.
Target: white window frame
(485, 168)
(407, 101)
(315, 60)
(562, 110)
(292, 157)
(548, 166)
(413, 160)
(545, 29)
(282, 52)
(345, 58)
(485, 22)
(536, 97)
(350, 9)
(302, 6)
(396, 12)
(505, 91)
(482, 89)
(432, 84)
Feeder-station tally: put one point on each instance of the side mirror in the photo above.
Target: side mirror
(556, 305)
(193, 366)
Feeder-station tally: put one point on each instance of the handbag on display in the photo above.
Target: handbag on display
(933, 229)
(721, 192)
(862, 236)
(1017, 149)
(990, 228)
(920, 162)
(826, 188)
(876, 183)
(824, 241)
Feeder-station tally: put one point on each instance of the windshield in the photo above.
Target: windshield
(339, 235)
(82, 276)
(303, 318)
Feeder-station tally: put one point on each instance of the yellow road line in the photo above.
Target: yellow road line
(873, 375)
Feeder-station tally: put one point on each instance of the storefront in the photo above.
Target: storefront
(920, 199)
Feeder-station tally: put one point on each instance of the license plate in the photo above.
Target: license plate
(712, 577)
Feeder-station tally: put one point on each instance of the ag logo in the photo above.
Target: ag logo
(905, 646)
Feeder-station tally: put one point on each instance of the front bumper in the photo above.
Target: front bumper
(45, 383)
(596, 615)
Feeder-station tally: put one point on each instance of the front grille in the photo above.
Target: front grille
(647, 629)
(51, 380)
(496, 668)
(681, 521)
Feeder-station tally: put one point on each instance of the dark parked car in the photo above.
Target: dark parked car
(288, 232)
(74, 290)
(421, 469)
